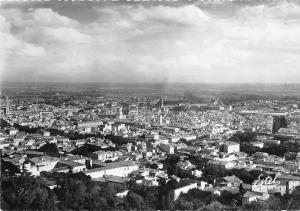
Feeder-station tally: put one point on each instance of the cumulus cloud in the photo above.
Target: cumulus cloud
(134, 43)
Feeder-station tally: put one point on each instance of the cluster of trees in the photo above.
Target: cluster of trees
(246, 138)
(277, 202)
(49, 148)
(119, 140)
(76, 191)
(3, 123)
(247, 176)
(73, 191)
(194, 199)
(290, 156)
(197, 199)
(170, 163)
(28, 129)
(26, 193)
(211, 174)
(144, 198)
(73, 135)
(54, 132)
(179, 109)
(200, 200)
(279, 150)
(89, 148)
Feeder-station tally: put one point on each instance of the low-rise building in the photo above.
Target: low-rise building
(38, 164)
(251, 196)
(121, 169)
(231, 147)
(220, 165)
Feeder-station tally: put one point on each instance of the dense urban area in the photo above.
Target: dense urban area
(141, 148)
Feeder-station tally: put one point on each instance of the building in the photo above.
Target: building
(77, 158)
(32, 154)
(257, 144)
(89, 124)
(184, 189)
(189, 137)
(168, 148)
(290, 181)
(46, 133)
(186, 167)
(220, 165)
(160, 119)
(269, 185)
(231, 147)
(121, 182)
(4, 143)
(279, 121)
(73, 166)
(230, 181)
(38, 164)
(121, 169)
(13, 132)
(121, 115)
(104, 155)
(251, 196)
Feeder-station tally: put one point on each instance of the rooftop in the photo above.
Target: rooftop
(112, 166)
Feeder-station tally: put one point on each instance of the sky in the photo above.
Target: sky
(167, 42)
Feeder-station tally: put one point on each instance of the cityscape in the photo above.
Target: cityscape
(154, 149)
(150, 105)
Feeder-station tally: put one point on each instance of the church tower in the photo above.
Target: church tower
(7, 104)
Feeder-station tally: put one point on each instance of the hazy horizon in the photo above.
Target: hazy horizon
(132, 83)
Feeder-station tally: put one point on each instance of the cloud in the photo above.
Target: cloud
(134, 43)
(37, 17)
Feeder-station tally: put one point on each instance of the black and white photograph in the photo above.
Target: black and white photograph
(150, 105)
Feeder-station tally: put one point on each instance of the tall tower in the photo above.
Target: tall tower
(121, 113)
(160, 119)
(161, 111)
(279, 121)
(7, 104)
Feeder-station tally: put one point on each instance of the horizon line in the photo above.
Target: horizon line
(166, 83)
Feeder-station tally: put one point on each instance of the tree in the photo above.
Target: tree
(248, 148)
(227, 198)
(3, 123)
(168, 202)
(294, 203)
(78, 191)
(244, 137)
(136, 201)
(49, 147)
(182, 204)
(214, 206)
(274, 202)
(193, 199)
(256, 205)
(26, 192)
